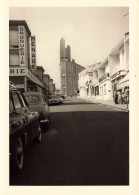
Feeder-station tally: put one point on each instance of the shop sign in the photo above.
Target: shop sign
(33, 52)
(17, 72)
(24, 72)
(21, 30)
(115, 75)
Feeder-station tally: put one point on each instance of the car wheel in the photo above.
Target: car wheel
(19, 156)
(39, 135)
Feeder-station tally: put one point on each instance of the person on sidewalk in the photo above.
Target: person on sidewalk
(116, 98)
(119, 96)
(127, 97)
(123, 98)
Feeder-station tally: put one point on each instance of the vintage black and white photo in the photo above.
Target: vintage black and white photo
(69, 89)
(70, 82)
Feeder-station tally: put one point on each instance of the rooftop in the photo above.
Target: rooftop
(20, 22)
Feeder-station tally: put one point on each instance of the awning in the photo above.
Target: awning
(124, 82)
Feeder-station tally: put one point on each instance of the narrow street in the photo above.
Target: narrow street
(85, 144)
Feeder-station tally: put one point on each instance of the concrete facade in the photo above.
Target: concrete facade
(68, 71)
(105, 76)
(19, 57)
(26, 76)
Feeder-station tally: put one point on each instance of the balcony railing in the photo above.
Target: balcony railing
(105, 76)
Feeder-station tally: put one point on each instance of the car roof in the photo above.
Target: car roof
(33, 93)
(53, 95)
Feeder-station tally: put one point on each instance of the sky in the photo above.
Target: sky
(91, 33)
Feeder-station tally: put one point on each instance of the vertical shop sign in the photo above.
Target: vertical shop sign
(21, 30)
(33, 52)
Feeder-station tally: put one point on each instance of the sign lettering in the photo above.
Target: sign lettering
(21, 30)
(33, 52)
(17, 71)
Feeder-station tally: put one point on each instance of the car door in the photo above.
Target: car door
(17, 118)
(46, 106)
(32, 122)
(27, 118)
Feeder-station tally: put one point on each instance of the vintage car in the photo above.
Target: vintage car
(54, 99)
(38, 102)
(60, 98)
(24, 126)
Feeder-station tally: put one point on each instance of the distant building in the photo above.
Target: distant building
(88, 81)
(68, 71)
(51, 87)
(46, 79)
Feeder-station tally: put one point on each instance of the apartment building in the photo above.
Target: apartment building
(88, 81)
(108, 76)
(22, 57)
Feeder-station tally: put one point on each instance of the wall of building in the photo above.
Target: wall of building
(105, 90)
(68, 71)
(110, 72)
(39, 72)
(14, 46)
(101, 72)
(127, 54)
(114, 64)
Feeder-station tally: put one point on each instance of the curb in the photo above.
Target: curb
(106, 105)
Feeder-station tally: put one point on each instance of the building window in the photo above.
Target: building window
(13, 38)
(105, 90)
(14, 59)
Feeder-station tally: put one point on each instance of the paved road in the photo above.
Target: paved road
(85, 144)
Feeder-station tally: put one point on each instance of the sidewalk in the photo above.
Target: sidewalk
(105, 102)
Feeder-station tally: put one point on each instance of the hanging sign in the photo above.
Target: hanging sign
(21, 30)
(33, 52)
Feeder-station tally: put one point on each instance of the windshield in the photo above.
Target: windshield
(32, 99)
(53, 97)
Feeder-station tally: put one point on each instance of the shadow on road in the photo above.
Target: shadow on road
(79, 148)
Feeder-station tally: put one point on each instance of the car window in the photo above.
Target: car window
(16, 100)
(24, 105)
(52, 97)
(32, 99)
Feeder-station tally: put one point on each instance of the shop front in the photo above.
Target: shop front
(25, 80)
(116, 78)
(123, 83)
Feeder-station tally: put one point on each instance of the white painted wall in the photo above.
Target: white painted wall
(105, 90)
(114, 64)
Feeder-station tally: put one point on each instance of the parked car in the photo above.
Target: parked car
(63, 96)
(54, 99)
(38, 102)
(24, 126)
(60, 98)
